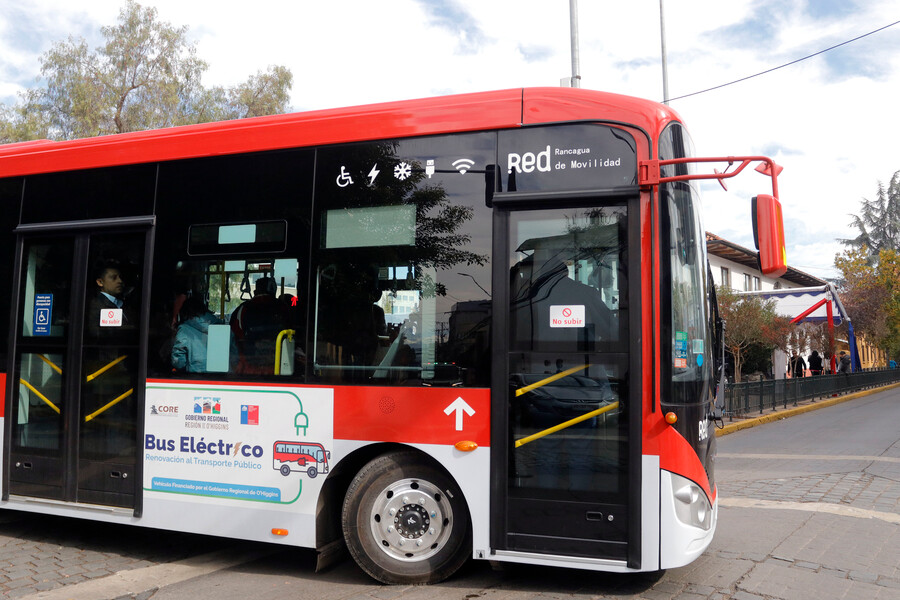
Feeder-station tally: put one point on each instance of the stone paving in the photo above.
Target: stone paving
(860, 490)
(39, 553)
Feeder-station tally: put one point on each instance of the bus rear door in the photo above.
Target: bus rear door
(76, 381)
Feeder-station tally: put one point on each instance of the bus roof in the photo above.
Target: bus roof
(431, 116)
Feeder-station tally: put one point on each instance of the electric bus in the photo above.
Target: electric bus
(490, 314)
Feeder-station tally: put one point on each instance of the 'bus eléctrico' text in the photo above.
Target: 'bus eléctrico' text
(190, 445)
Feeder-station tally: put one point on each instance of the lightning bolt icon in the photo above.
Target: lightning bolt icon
(373, 174)
(236, 448)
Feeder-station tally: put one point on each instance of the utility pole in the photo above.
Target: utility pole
(665, 69)
(573, 20)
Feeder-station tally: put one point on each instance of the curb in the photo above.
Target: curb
(790, 412)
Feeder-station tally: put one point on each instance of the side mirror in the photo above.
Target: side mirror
(768, 235)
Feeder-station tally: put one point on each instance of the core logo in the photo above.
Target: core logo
(528, 162)
(165, 410)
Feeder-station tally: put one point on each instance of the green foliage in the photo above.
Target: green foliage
(870, 269)
(147, 75)
(757, 358)
(870, 291)
(751, 327)
(879, 221)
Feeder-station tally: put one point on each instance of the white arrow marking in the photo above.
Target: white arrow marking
(460, 406)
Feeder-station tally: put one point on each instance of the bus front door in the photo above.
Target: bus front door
(564, 391)
(75, 380)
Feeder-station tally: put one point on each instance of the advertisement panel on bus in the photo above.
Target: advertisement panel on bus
(220, 441)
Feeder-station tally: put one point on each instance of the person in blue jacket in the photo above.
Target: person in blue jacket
(191, 340)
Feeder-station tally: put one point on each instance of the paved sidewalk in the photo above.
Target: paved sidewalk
(40, 553)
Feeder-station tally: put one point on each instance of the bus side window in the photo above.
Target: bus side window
(230, 316)
(370, 323)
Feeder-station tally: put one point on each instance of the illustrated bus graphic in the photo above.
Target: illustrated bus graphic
(300, 456)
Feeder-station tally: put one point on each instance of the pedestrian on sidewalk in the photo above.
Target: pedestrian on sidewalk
(844, 363)
(815, 363)
(798, 365)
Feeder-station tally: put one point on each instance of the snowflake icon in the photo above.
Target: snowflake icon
(402, 171)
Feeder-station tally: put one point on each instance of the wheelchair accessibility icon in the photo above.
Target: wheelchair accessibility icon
(343, 180)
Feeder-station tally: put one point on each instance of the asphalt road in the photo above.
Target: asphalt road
(809, 509)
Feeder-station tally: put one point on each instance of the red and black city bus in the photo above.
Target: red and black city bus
(490, 314)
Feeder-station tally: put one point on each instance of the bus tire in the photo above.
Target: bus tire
(405, 520)
(285, 470)
(312, 472)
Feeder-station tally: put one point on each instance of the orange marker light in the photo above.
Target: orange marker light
(465, 445)
(671, 418)
(277, 531)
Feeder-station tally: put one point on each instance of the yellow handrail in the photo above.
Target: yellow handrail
(39, 395)
(290, 335)
(551, 379)
(103, 370)
(91, 416)
(50, 362)
(569, 423)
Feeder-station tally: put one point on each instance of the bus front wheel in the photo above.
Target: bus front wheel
(405, 521)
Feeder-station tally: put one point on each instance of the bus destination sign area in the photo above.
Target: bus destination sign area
(567, 158)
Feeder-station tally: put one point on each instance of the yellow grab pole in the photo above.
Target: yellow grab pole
(290, 335)
(103, 370)
(51, 363)
(108, 406)
(567, 424)
(39, 395)
(551, 379)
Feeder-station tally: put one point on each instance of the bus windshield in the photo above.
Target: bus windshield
(689, 362)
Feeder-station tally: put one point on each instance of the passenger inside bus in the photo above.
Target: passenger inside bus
(197, 347)
(256, 324)
(108, 294)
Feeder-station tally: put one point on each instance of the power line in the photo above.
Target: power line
(793, 62)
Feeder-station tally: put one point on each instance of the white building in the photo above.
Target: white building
(737, 267)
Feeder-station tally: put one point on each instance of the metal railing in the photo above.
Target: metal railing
(750, 398)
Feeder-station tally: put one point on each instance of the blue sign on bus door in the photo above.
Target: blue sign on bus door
(43, 313)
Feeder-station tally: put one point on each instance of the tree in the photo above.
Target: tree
(147, 75)
(879, 221)
(750, 321)
(870, 269)
(870, 291)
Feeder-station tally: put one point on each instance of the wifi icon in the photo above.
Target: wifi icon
(463, 164)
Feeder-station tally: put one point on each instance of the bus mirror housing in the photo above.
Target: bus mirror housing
(768, 234)
(768, 223)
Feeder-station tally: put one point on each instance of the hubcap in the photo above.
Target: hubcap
(411, 520)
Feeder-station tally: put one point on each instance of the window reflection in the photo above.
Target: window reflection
(402, 275)
(568, 352)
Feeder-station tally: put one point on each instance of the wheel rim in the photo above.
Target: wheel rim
(411, 520)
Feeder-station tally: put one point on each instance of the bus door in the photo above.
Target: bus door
(567, 478)
(76, 383)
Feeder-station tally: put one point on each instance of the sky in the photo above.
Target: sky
(830, 121)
